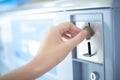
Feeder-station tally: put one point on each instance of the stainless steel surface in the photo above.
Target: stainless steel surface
(96, 44)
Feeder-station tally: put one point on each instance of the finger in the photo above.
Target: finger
(67, 26)
(72, 33)
(76, 40)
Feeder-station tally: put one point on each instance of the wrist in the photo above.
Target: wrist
(39, 65)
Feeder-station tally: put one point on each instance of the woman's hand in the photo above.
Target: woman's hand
(53, 50)
(53, 44)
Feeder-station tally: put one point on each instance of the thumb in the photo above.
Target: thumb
(77, 39)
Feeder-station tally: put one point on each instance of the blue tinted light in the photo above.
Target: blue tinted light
(10, 4)
(12, 1)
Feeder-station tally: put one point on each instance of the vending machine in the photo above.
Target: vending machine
(97, 57)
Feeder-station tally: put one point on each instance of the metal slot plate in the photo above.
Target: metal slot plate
(95, 41)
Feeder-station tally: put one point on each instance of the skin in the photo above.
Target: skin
(52, 51)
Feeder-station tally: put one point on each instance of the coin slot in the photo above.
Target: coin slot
(89, 54)
(89, 49)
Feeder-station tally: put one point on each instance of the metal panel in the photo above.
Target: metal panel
(95, 52)
(105, 70)
(116, 44)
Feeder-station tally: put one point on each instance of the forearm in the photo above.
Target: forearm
(32, 70)
(23, 73)
(27, 72)
(52, 51)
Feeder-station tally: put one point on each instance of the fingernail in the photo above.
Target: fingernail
(84, 32)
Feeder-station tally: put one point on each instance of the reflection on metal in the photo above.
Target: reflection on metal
(73, 4)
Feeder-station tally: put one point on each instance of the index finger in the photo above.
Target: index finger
(67, 26)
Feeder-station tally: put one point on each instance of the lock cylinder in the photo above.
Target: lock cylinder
(90, 31)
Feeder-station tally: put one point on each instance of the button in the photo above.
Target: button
(94, 76)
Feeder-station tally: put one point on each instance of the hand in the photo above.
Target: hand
(53, 50)
(53, 44)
